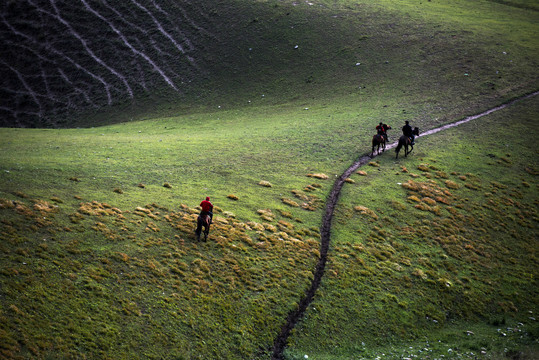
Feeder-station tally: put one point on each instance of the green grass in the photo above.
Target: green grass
(94, 265)
(421, 267)
(427, 61)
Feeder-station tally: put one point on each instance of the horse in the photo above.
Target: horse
(203, 220)
(378, 140)
(406, 141)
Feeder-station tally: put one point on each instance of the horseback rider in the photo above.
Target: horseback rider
(408, 131)
(382, 129)
(207, 208)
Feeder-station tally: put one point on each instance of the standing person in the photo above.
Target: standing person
(408, 131)
(207, 208)
(382, 129)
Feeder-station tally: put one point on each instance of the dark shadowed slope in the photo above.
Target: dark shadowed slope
(60, 57)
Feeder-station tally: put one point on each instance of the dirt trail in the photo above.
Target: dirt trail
(325, 230)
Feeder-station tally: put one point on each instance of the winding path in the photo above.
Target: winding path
(325, 230)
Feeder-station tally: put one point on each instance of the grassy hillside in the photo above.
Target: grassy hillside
(454, 248)
(440, 248)
(97, 253)
(274, 52)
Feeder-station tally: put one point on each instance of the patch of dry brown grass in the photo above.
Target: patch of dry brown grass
(265, 183)
(366, 211)
(320, 176)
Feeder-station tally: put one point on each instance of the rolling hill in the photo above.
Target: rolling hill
(139, 110)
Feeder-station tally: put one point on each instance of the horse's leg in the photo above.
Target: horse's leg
(198, 230)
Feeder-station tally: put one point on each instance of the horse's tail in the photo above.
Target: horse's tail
(398, 148)
(204, 220)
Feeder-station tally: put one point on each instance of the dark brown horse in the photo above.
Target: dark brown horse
(378, 140)
(203, 220)
(406, 142)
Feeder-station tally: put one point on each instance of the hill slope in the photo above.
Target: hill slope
(423, 249)
(169, 57)
(436, 251)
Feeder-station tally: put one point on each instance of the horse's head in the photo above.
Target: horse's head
(415, 131)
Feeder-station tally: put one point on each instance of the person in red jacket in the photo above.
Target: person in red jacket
(382, 130)
(207, 208)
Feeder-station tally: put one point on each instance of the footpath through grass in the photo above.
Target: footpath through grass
(439, 248)
(94, 251)
(97, 253)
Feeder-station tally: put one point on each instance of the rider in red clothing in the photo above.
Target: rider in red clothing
(207, 208)
(382, 130)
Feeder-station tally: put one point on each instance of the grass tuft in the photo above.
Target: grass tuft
(320, 176)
